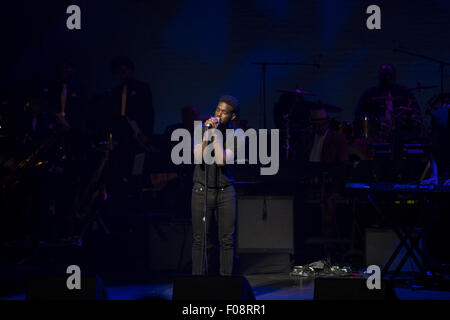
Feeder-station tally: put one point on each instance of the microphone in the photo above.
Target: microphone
(209, 125)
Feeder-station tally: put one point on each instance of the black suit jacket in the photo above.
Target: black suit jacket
(75, 109)
(139, 107)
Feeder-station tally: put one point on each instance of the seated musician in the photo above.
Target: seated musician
(391, 104)
(324, 144)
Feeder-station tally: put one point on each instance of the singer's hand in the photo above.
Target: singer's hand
(212, 122)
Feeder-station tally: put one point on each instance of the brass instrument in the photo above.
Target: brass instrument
(32, 161)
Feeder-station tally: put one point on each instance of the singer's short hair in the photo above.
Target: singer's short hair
(231, 101)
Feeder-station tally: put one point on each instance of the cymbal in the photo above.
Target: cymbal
(422, 87)
(298, 91)
(386, 98)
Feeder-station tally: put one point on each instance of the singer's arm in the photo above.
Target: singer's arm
(222, 155)
(225, 155)
(198, 151)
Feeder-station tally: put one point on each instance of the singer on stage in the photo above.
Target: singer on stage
(220, 193)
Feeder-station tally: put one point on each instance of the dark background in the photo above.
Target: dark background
(191, 52)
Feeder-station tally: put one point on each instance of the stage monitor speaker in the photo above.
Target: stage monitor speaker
(265, 224)
(350, 289)
(380, 244)
(212, 288)
(55, 288)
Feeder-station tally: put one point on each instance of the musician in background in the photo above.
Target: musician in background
(324, 144)
(131, 121)
(132, 100)
(67, 105)
(390, 103)
(65, 97)
(291, 115)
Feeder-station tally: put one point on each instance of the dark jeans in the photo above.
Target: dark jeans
(222, 203)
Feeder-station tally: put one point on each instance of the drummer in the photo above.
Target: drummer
(389, 103)
(323, 143)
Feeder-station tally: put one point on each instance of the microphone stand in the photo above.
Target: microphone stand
(264, 65)
(442, 64)
(205, 202)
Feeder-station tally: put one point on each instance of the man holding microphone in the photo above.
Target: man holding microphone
(215, 182)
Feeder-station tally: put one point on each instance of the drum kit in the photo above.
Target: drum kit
(363, 134)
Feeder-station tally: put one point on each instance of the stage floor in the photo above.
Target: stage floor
(265, 287)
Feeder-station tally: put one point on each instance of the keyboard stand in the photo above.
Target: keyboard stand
(410, 241)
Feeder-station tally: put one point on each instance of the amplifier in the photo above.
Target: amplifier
(265, 224)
